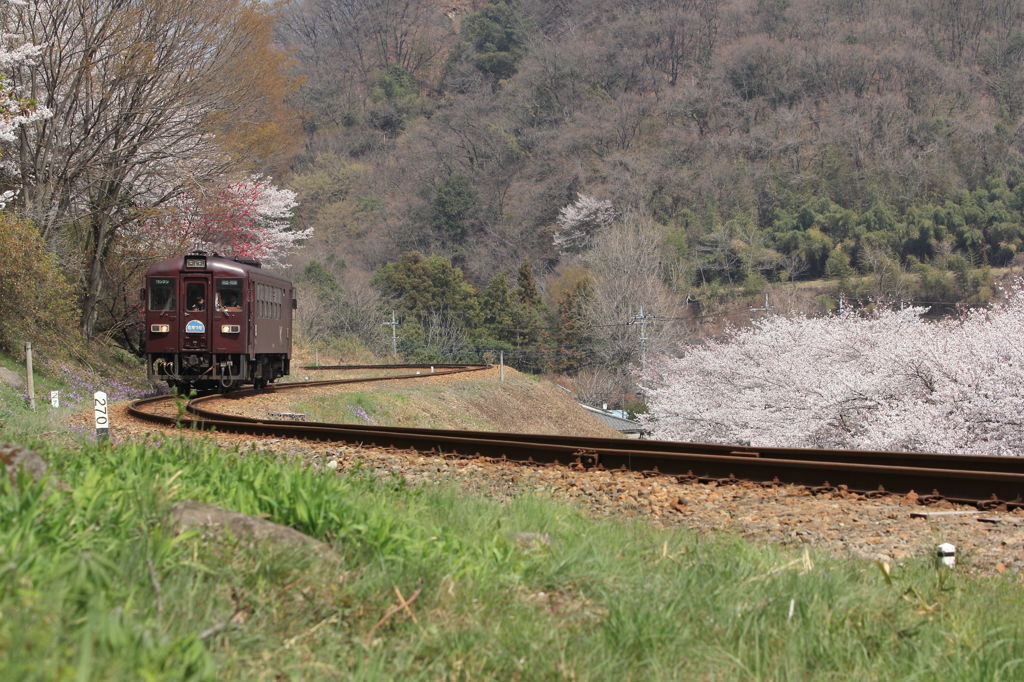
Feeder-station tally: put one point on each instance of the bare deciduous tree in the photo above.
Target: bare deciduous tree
(627, 268)
(363, 36)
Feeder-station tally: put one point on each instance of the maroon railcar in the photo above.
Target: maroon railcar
(214, 322)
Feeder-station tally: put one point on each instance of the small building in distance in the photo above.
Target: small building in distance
(617, 419)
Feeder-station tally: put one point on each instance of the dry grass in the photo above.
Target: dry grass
(477, 400)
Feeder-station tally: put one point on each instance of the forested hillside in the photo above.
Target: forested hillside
(656, 153)
(574, 183)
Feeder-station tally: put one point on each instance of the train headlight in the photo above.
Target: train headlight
(159, 328)
(230, 328)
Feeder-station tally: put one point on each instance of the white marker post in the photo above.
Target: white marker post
(54, 398)
(946, 556)
(102, 415)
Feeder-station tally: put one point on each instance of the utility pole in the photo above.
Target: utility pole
(394, 334)
(643, 318)
(766, 307)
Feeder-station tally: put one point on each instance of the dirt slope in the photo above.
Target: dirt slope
(477, 400)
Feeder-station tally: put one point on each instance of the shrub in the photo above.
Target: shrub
(38, 304)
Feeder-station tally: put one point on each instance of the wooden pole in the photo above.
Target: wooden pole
(28, 375)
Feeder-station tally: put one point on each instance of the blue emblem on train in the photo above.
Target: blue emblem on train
(195, 327)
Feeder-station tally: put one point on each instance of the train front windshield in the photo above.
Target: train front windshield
(229, 295)
(161, 294)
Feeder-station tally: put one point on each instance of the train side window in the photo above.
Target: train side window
(195, 296)
(161, 294)
(229, 295)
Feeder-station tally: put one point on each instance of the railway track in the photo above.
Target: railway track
(985, 481)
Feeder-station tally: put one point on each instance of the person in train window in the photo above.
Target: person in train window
(197, 304)
(231, 302)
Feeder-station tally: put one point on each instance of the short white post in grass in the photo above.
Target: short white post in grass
(102, 415)
(28, 376)
(946, 556)
(54, 398)
(431, 369)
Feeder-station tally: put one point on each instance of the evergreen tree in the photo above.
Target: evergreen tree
(572, 338)
(455, 210)
(527, 291)
(423, 287)
(496, 39)
(499, 310)
(529, 313)
(838, 265)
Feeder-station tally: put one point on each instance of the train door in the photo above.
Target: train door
(195, 329)
(161, 316)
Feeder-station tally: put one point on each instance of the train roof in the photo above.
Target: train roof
(216, 264)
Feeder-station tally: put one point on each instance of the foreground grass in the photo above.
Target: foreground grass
(95, 585)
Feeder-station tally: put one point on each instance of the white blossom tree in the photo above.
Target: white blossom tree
(16, 109)
(249, 218)
(580, 221)
(890, 382)
(16, 51)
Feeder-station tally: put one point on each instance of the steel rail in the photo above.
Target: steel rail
(975, 479)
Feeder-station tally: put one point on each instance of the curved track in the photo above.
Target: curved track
(983, 480)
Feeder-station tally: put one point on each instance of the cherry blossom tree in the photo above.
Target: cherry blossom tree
(579, 221)
(16, 110)
(892, 381)
(250, 218)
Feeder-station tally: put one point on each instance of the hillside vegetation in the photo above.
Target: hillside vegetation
(573, 183)
(657, 156)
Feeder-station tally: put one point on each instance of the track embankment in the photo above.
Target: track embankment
(887, 528)
(984, 481)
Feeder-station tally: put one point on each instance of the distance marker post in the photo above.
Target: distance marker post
(102, 415)
(54, 398)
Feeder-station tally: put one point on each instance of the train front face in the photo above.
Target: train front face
(195, 322)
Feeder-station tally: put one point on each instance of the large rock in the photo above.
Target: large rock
(531, 540)
(207, 517)
(14, 457)
(12, 379)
